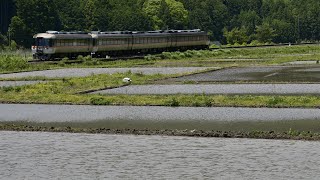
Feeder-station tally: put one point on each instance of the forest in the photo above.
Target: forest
(227, 21)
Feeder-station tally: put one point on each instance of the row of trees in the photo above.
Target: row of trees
(229, 21)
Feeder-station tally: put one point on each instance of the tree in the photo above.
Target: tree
(265, 33)
(128, 16)
(165, 14)
(284, 31)
(19, 32)
(3, 41)
(70, 15)
(90, 15)
(33, 16)
(236, 36)
(249, 19)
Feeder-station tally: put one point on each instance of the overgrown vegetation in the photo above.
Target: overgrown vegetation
(16, 60)
(227, 21)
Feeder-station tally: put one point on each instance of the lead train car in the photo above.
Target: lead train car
(54, 44)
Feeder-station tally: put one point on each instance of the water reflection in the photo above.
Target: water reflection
(95, 156)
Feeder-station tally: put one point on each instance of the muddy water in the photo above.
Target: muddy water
(38, 155)
(284, 89)
(214, 118)
(18, 83)
(261, 74)
(81, 72)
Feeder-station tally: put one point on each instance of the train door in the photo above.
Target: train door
(173, 40)
(94, 47)
(130, 42)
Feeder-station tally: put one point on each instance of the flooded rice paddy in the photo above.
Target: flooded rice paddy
(283, 89)
(40, 155)
(257, 74)
(140, 117)
(82, 72)
(18, 83)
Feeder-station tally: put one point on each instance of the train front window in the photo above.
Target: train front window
(43, 42)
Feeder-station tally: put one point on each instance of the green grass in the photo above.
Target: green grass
(17, 61)
(69, 91)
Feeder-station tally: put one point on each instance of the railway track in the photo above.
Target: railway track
(80, 61)
(143, 55)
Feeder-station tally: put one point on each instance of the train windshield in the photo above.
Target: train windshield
(42, 42)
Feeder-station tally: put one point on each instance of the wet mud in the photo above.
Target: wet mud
(291, 134)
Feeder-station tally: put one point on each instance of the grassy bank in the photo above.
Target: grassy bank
(72, 91)
(15, 62)
(290, 134)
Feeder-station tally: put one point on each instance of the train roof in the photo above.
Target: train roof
(146, 33)
(85, 35)
(63, 35)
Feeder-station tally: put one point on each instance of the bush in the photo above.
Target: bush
(275, 101)
(173, 103)
(255, 43)
(12, 62)
(99, 101)
(88, 60)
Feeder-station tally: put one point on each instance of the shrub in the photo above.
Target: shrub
(99, 101)
(12, 62)
(274, 101)
(173, 103)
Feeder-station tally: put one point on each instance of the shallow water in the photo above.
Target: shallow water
(38, 155)
(285, 89)
(18, 83)
(81, 72)
(258, 74)
(201, 118)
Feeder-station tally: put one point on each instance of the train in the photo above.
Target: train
(53, 45)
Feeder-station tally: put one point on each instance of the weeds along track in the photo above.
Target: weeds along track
(37, 61)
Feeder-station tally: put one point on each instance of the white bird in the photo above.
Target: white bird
(126, 80)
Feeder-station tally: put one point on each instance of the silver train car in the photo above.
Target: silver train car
(55, 45)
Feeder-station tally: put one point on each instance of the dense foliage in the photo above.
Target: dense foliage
(228, 21)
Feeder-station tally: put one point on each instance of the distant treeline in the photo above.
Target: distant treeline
(227, 21)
